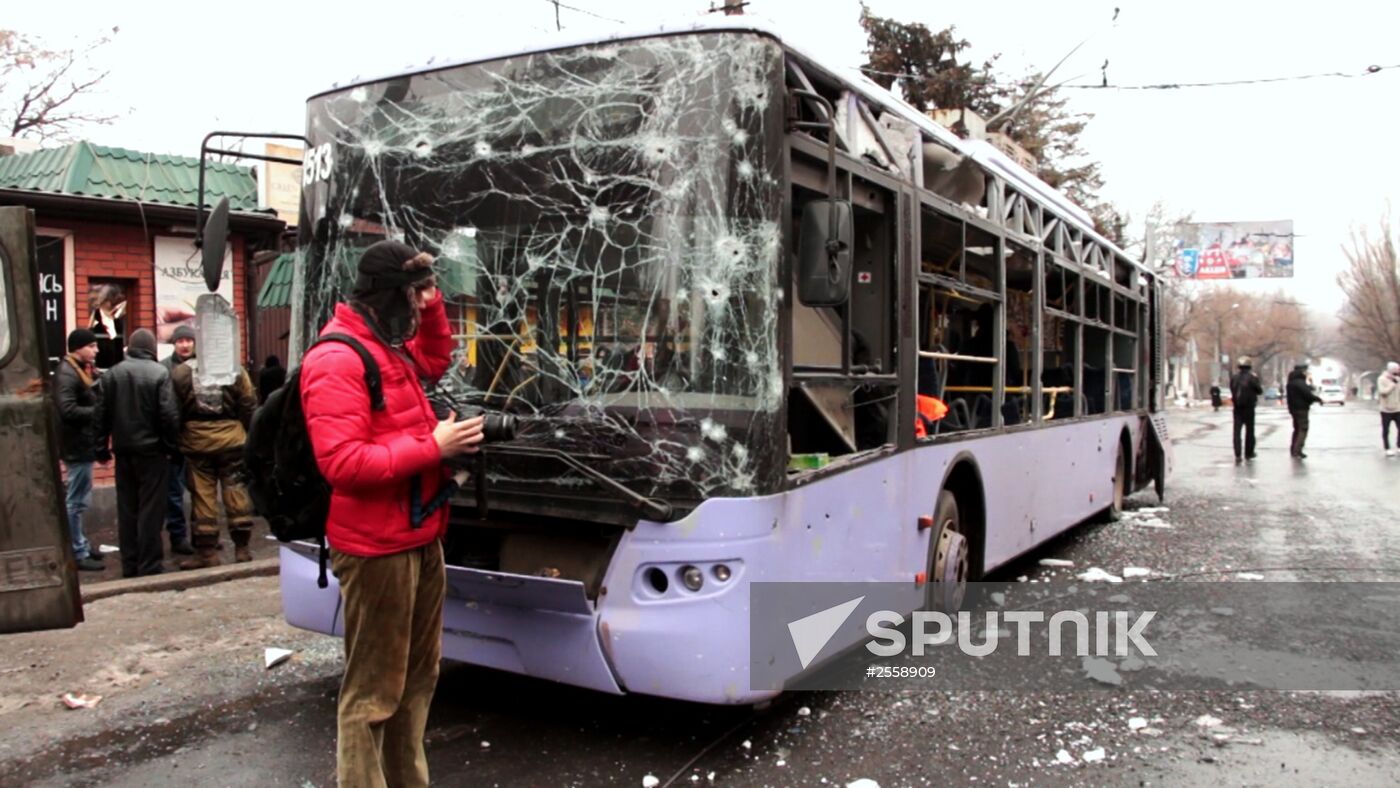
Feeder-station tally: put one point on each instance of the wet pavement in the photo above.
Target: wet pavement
(188, 702)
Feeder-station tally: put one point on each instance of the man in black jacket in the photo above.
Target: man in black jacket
(137, 409)
(76, 379)
(1245, 389)
(1300, 400)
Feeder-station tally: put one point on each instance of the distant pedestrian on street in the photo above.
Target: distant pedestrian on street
(1245, 389)
(214, 428)
(381, 464)
(76, 382)
(270, 378)
(1388, 389)
(175, 525)
(1300, 400)
(1215, 398)
(137, 410)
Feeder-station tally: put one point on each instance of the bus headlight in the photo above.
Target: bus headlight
(692, 578)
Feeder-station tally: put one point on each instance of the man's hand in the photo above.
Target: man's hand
(459, 437)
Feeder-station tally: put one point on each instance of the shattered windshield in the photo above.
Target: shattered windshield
(606, 225)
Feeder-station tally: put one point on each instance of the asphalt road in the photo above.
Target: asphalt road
(188, 702)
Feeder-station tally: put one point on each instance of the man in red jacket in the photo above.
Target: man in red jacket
(390, 569)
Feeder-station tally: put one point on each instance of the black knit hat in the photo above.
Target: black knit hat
(142, 339)
(182, 332)
(80, 338)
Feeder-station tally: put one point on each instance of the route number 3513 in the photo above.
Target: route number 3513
(317, 165)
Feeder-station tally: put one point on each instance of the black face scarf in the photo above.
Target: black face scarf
(388, 273)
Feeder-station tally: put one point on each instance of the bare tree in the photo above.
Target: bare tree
(41, 89)
(1370, 318)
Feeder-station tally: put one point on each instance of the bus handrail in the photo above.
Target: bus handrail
(957, 357)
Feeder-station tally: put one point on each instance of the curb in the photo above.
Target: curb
(179, 581)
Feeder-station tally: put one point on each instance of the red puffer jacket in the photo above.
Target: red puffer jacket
(371, 457)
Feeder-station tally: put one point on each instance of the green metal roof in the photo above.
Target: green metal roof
(88, 170)
(277, 287)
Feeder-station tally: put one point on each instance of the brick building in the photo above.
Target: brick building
(111, 216)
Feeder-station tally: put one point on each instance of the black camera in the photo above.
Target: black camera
(498, 426)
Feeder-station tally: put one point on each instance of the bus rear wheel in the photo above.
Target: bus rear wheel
(948, 557)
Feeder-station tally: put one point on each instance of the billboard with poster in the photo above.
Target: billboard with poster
(1234, 250)
(179, 283)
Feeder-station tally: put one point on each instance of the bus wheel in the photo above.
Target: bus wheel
(948, 557)
(1114, 512)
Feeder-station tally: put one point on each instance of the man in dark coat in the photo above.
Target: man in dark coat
(184, 340)
(1245, 389)
(1300, 401)
(76, 382)
(271, 378)
(137, 411)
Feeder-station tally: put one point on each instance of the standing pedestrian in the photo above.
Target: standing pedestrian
(214, 427)
(390, 568)
(1388, 389)
(184, 340)
(270, 378)
(1245, 389)
(1215, 399)
(76, 381)
(137, 410)
(1300, 400)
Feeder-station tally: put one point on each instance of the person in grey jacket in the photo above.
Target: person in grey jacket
(1388, 390)
(76, 384)
(137, 410)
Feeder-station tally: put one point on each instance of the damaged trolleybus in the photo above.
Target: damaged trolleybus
(712, 279)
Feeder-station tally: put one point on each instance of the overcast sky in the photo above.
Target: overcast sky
(1320, 152)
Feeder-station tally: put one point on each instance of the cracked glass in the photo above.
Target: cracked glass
(606, 225)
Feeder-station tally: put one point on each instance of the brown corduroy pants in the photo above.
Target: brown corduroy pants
(393, 641)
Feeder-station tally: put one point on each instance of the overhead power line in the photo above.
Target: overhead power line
(557, 5)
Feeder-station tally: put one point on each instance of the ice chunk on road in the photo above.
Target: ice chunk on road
(1207, 721)
(1055, 562)
(1063, 756)
(1137, 723)
(1094, 756)
(864, 782)
(1096, 574)
(1136, 571)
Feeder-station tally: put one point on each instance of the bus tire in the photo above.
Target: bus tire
(1114, 511)
(948, 557)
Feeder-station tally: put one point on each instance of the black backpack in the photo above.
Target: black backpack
(284, 482)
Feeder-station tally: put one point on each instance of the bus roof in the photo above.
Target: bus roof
(979, 151)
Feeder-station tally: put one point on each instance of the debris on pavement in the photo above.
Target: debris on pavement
(1249, 576)
(1056, 562)
(272, 657)
(1208, 721)
(1135, 571)
(80, 700)
(864, 782)
(1063, 756)
(1101, 670)
(1096, 574)
(650, 781)
(804, 712)
(107, 549)
(1095, 755)
(1137, 723)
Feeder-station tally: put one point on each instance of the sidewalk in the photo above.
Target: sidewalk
(100, 525)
